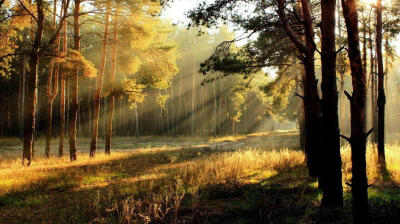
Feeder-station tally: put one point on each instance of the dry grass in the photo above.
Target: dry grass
(228, 166)
(154, 180)
(392, 154)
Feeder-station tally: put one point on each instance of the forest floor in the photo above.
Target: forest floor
(257, 178)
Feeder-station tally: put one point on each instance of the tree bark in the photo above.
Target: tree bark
(110, 112)
(357, 104)
(99, 85)
(381, 87)
(331, 161)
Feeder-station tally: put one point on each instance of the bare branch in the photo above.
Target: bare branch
(348, 95)
(296, 94)
(345, 137)
(369, 132)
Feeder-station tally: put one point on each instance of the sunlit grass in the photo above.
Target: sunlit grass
(150, 173)
(247, 165)
(392, 154)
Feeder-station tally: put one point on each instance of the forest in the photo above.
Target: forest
(199, 111)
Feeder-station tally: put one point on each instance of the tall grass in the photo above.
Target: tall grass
(375, 177)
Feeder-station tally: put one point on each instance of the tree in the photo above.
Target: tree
(381, 87)
(31, 86)
(311, 99)
(110, 108)
(331, 160)
(358, 137)
(73, 84)
(62, 93)
(52, 83)
(287, 18)
(99, 84)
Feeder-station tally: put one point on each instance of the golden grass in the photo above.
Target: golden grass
(235, 138)
(14, 175)
(240, 166)
(246, 165)
(392, 153)
(165, 172)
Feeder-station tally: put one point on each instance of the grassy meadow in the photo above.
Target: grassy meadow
(257, 178)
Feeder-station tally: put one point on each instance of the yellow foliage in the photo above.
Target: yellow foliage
(75, 60)
(161, 100)
(134, 65)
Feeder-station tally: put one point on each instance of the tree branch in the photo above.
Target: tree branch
(369, 132)
(282, 15)
(348, 96)
(346, 138)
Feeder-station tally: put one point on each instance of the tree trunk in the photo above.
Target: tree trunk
(31, 87)
(215, 107)
(357, 104)
(73, 85)
(62, 93)
(99, 86)
(52, 86)
(110, 112)
(373, 85)
(381, 87)
(137, 121)
(331, 161)
(193, 97)
(23, 90)
(311, 99)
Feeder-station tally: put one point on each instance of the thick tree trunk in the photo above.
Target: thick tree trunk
(110, 112)
(331, 176)
(357, 102)
(312, 110)
(381, 87)
(99, 85)
(312, 118)
(31, 87)
(311, 99)
(73, 85)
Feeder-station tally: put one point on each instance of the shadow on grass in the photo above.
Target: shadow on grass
(276, 199)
